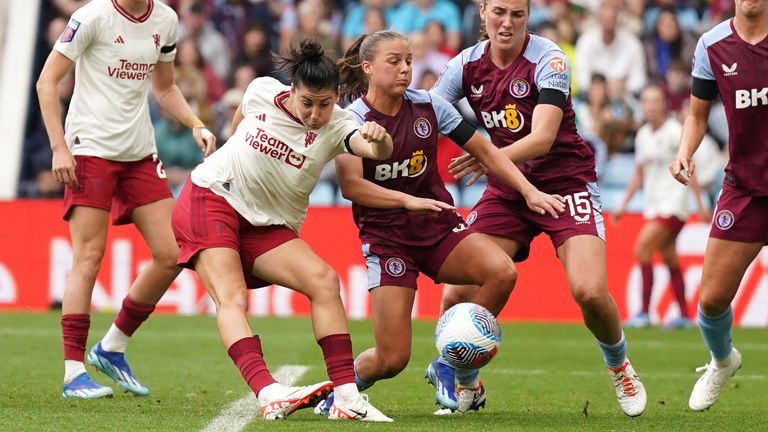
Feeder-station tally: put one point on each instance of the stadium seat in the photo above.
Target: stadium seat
(323, 195)
(618, 170)
(611, 197)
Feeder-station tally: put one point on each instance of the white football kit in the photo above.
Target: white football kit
(115, 54)
(268, 168)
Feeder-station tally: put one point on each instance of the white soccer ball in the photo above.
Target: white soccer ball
(468, 336)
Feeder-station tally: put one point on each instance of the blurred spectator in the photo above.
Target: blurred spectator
(687, 17)
(588, 109)
(177, 150)
(193, 88)
(666, 43)
(188, 57)
(550, 31)
(67, 7)
(620, 118)
(611, 51)
(425, 58)
(356, 21)
(194, 23)
(471, 24)
(312, 24)
(243, 76)
(255, 51)
(226, 112)
(233, 17)
(413, 16)
(677, 87)
(438, 39)
(719, 10)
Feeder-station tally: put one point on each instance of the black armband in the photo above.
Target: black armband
(347, 139)
(168, 48)
(552, 97)
(704, 89)
(462, 133)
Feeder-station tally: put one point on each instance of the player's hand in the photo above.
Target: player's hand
(617, 214)
(543, 203)
(373, 132)
(205, 139)
(682, 168)
(427, 206)
(467, 164)
(63, 167)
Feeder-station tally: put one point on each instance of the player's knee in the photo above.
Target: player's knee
(166, 257)
(506, 276)
(395, 362)
(713, 305)
(455, 295)
(590, 296)
(89, 258)
(233, 302)
(325, 282)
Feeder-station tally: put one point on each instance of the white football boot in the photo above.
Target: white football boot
(629, 390)
(359, 409)
(709, 385)
(284, 400)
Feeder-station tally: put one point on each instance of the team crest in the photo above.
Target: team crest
(69, 32)
(519, 88)
(471, 217)
(724, 219)
(422, 127)
(156, 40)
(309, 138)
(395, 267)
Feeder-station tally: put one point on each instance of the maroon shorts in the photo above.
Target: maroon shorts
(740, 217)
(673, 223)
(203, 220)
(399, 265)
(513, 220)
(117, 187)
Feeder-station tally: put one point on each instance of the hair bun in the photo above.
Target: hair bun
(310, 49)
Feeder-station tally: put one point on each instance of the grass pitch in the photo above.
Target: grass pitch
(546, 377)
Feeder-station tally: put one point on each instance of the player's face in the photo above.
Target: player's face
(505, 21)
(653, 105)
(314, 107)
(390, 69)
(752, 8)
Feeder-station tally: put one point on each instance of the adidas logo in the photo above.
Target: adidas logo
(729, 71)
(261, 117)
(119, 40)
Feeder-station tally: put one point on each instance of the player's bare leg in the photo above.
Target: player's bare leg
(88, 232)
(583, 257)
(668, 252)
(650, 238)
(725, 263)
(296, 266)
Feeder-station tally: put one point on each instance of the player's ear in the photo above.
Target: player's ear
(365, 65)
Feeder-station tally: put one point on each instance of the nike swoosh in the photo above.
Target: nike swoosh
(363, 414)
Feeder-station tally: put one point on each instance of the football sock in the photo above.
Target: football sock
(131, 316)
(717, 334)
(248, 357)
(614, 355)
(74, 329)
(678, 288)
(467, 377)
(72, 369)
(337, 352)
(646, 270)
(361, 383)
(346, 393)
(115, 340)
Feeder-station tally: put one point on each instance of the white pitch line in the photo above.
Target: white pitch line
(246, 409)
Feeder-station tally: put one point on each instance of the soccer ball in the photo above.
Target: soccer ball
(468, 336)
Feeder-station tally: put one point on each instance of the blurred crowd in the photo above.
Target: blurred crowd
(616, 48)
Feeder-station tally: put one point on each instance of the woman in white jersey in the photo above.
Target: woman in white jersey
(239, 214)
(106, 156)
(665, 203)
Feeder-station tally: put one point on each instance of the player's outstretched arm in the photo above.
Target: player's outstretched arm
(354, 187)
(56, 67)
(632, 188)
(169, 98)
(372, 141)
(694, 128)
(492, 158)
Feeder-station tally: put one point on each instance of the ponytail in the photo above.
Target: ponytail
(308, 66)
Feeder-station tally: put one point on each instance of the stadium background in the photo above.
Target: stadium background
(225, 43)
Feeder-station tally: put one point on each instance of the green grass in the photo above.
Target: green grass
(541, 380)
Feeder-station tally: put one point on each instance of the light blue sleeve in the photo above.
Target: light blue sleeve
(553, 71)
(702, 69)
(448, 118)
(449, 83)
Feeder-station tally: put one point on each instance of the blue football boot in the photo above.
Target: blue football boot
(113, 364)
(84, 387)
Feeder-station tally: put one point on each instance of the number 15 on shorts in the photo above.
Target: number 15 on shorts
(580, 206)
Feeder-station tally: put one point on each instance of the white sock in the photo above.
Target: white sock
(266, 392)
(115, 340)
(72, 369)
(346, 392)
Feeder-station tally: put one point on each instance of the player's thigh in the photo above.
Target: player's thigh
(583, 257)
(651, 237)
(477, 257)
(391, 314)
(221, 272)
(725, 263)
(296, 266)
(153, 221)
(88, 228)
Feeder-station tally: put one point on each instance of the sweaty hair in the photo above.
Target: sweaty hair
(354, 82)
(309, 67)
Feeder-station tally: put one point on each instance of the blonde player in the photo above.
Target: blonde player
(106, 157)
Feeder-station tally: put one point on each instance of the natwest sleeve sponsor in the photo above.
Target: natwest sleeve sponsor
(448, 118)
(168, 44)
(702, 69)
(449, 84)
(553, 72)
(78, 35)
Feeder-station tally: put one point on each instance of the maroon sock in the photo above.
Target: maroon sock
(74, 328)
(646, 270)
(248, 357)
(337, 351)
(131, 315)
(678, 287)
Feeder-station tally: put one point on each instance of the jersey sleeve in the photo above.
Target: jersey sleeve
(449, 84)
(168, 49)
(448, 118)
(78, 35)
(345, 126)
(702, 69)
(252, 94)
(553, 71)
